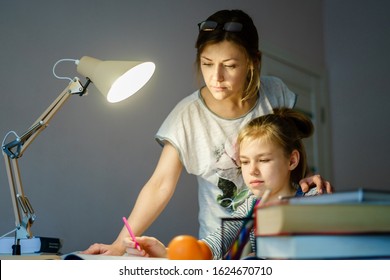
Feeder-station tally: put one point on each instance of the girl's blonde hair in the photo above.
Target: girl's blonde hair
(286, 128)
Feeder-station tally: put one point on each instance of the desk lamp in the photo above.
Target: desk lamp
(116, 80)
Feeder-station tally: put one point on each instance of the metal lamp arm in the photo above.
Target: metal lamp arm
(12, 151)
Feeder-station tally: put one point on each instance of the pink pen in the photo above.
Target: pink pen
(131, 233)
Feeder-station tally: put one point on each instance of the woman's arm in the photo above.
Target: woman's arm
(151, 201)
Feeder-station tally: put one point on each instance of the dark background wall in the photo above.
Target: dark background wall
(84, 172)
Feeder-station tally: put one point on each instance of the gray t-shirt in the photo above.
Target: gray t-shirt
(206, 146)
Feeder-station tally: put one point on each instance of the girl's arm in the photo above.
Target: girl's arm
(221, 240)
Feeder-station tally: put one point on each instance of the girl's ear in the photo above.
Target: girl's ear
(294, 159)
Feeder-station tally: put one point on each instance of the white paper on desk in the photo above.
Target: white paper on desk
(80, 256)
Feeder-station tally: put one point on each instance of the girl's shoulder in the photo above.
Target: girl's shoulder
(312, 192)
(300, 193)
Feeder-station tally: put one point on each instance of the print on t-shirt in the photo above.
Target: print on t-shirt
(230, 180)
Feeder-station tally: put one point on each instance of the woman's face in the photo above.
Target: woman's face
(264, 165)
(224, 68)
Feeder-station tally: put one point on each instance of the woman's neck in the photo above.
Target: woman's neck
(230, 108)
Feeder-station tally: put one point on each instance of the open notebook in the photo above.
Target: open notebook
(79, 256)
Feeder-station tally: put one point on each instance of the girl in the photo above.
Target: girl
(272, 157)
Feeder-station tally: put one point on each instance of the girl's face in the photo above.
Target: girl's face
(264, 165)
(224, 68)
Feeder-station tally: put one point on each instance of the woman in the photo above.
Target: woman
(199, 132)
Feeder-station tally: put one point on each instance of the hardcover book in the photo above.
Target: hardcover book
(284, 219)
(355, 246)
(356, 211)
(353, 196)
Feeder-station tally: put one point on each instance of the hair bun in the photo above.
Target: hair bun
(300, 120)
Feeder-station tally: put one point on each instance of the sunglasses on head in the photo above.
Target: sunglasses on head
(209, 25)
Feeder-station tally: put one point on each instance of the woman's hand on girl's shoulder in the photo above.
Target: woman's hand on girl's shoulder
(322, 186)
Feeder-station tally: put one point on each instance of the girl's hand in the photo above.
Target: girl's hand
(150, 247)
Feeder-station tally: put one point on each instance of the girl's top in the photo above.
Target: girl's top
(206, 146)
(220, 242)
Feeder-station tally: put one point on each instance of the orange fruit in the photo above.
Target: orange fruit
(184, 247)
(206, 252)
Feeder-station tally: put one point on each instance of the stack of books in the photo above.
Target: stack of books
(345, 225)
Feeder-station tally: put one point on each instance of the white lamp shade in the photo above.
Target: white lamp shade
(116, 80)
